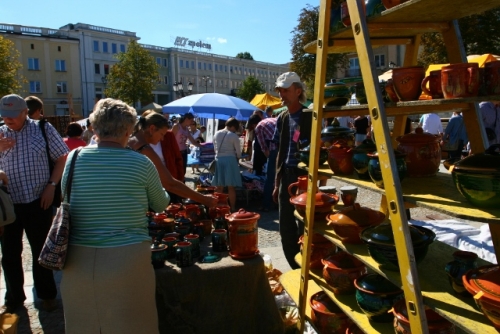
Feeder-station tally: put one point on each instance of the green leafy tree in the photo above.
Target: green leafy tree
(11, 79)
(304, 64)
(134, 77)
(249, 88)
(244, 55)
(479, 34)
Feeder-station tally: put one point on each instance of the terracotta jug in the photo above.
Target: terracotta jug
(434, 80)
(407, 82)
(298, 187)
(389, 90)
(460, 80)
(492, 77)
(423, 152)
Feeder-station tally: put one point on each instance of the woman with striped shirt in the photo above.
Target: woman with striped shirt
(108, 283)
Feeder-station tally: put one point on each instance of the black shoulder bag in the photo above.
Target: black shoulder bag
(57, 193)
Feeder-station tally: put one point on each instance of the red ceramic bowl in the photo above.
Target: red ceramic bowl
(323, 202)
(326, 315)
(340, 270)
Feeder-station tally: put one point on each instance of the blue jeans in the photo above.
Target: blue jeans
(267, 200)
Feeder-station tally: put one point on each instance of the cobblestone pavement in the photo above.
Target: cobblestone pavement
(33, 320)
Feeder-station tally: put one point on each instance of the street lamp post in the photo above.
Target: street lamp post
(207, 81)
(104, 80)
(179, 89)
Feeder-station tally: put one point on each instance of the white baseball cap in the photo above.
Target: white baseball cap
(287, 79)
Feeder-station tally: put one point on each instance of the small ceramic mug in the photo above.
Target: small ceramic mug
(219, 240)
(349, 195)
(170, 242)
(183, 254)
(194, 239)
(434, 81)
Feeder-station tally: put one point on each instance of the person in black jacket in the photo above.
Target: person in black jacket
(293, 132)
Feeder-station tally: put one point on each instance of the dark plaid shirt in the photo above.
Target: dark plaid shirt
(26, 163)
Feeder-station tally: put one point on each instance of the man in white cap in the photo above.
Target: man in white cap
(23, 157)
(293, 132)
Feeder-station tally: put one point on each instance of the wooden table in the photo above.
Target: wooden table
(228, 296)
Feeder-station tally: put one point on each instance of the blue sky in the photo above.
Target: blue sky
(260, 27)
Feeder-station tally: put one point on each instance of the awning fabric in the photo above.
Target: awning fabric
(261, 101)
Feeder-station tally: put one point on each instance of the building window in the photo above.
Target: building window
(199, 65)
(32, 46)
(106, 69)
(97, 68)
(62, 87)
(33, 64)
(60, 65)
(105, 47)
(35, 87)
(204, 66)
(192, 64)
(165, 63)
(380, 61)
(96, 46)
(165, 80)
(187, 63)
(158, 61)
(122, 47)
(181, 63)
(225, 68)
(114, 48)
(210, 67)
(59, 48)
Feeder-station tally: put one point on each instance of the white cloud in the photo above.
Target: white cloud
(222, 40)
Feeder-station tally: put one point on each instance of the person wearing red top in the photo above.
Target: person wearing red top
(172, 155)
(74, 132)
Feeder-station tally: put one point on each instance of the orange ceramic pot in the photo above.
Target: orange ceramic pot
(423, 152)
(407, 82)
(321, 248)
(323, 202)
(243, 234)
(460, 80)
(326, 315)
(434, 80)
(340, 159)
(340, 270)
(492, 77)
(173, 209)
(298, 187)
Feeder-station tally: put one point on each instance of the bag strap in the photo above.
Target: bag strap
(70, 173)
(218, 148)
(41, 124)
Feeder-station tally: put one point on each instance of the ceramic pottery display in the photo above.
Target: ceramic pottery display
(194, 239)
(376, 295)
(326, 316)
(328, 189)
(340, 159)
(463, 261)
(340, 270)
(321, 248)
(477, 177)
(436, 323)
(376, 173)
(170, 242)
(434, 80)
(183, 254)
(298, 187)
(304, 154)
(392, 3)
(423, 152)
(158, 255)
(484, 284)
(349, 194)
(336, 94)
(389, 91)
(492, 77)
(207, 226)
(349, 222)
(407, 82)
(243, 234)
(336, 133)
(323, 203)
(173, 209)
(219, 240)
(360, 160)
(380, 241)
(198, 229)
(460, 80)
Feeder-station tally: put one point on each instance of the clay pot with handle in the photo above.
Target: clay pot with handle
(298, 187)
(460, 80)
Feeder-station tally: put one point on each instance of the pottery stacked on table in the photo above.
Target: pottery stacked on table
(423, 152)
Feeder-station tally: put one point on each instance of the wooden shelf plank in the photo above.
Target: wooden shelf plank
(444, 198)
(402, 22)
(436, 289)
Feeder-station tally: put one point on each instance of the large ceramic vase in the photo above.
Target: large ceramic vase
(407, 82)
(376, 295)
(463, 261)
(321, 248)
(423, 152)
(243, 234)
(460, 80)
(360, 158)
(326, 316)
(340, 270)
(376, 173)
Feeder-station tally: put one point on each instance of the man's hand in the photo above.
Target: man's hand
(47, 196)
(266, 153)
(6, 143)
